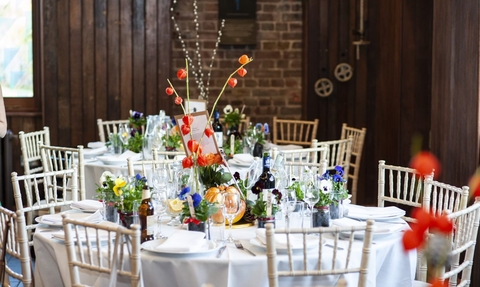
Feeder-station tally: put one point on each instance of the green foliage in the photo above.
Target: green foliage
(238, 146)
(325, 199)
(213, 175)
(202, 211)
(135, 143)
(298, 190)
(254, 134)
(172, 141)
(259, 208)
(233, 119)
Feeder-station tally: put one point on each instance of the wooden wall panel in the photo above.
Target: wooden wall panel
(101, 60)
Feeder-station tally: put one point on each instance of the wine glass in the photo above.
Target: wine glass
(253, 173)
(278, 171)
(289, 203)
(124, 132)
(306, 183)
(158, 198)
(311, 196)
(230, 209)
(174, 207)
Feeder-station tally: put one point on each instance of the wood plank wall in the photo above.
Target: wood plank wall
(102, 58)
(390, 91)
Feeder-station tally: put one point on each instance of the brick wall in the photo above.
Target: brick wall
(273, 83)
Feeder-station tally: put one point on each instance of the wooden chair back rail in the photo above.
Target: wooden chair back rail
(150, 165)
(55, 158)
(108, 127)
(30, 149)
(16, 245)
(299, 132)
(274, 273)
(296, 160)
(440, 197)
(42, 193)
(163, 154)
(338, 153)
(79, 241)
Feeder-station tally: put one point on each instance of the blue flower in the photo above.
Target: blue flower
(184, 192)
(339, 170)
(197, 198)
(337, 178)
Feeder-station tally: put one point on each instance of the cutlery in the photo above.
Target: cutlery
(220, 251)
(239, 245)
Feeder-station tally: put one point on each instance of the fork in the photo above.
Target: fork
(239, 245)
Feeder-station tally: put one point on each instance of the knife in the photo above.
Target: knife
(220, 251)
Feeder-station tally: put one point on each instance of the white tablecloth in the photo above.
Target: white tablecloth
(389, 265)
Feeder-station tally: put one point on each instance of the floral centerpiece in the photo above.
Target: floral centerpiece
(137, 124)
(200, 211)
(173, 140)
(122, 193)
(259, 208)
(333, 183)
(233, 117)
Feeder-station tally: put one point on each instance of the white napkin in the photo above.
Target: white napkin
(183, 241)
(95, 145)
(283, 147)
(129, 154)
(296, 240)
(89, 152)
(87, 205)
(362, 212)
(379, 227)
(87, 217)
(243, 158)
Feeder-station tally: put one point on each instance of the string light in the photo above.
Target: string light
(197, 70)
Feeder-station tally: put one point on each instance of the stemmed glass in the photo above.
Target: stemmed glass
(160, 184)
(253, 173)
(231, 207)
(124, 132)
(278, 171)
(311, 196)
(174, 207)
(289, 203)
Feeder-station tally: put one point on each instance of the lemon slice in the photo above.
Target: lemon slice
(175, 205)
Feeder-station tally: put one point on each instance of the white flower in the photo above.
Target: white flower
(228, 109)
(237, 111)
(326, 186)
(104, 176)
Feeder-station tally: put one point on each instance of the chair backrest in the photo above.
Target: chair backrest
(324, 264)
(164, 154)
(298, 160)
(82, 239)
(299, 132)
(55, 158)
(357, 148)
(440, 197)
(338, 153)
(402, 185)
(31, 151)
(149, 166)
(242, 127)
(16, 245)
(107, 127)
(41, 192)
(463, 238)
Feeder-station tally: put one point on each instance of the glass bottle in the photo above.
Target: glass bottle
(147, 216)
(268, 181)
(217, 128)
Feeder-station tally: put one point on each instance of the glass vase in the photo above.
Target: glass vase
(336, 209)
(128, 218)
(321, 217)
(261, 221)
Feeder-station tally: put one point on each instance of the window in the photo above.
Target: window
(17, 55)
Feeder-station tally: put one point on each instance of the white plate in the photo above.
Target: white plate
(375, 213)
(91, 153)
(84, 210)
(237, 163)
(74, 214)
(208, 248)
(312, 242)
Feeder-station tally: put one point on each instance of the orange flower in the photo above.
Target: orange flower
(425, 163)
(202, 160)
(187, 162)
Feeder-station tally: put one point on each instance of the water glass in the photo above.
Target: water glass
(231, 207)
(289, 202)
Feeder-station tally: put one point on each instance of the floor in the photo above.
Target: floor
(14, 264)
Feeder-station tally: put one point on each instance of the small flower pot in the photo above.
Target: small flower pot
(321, 217)
(336, 210)
(201, 226)
(264, 220)
(111, 213)
(257, 150)
(127, 218)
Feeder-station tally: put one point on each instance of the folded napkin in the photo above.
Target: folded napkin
(243, 158)
(182, 241)
(95, 144)
(283, 147)
(379, 227)
(379, 213)
(87, 217)
(87, 205)
(296, 240)
(89, 152)
(129, 154)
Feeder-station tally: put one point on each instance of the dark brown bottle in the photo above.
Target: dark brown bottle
(147, 216)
